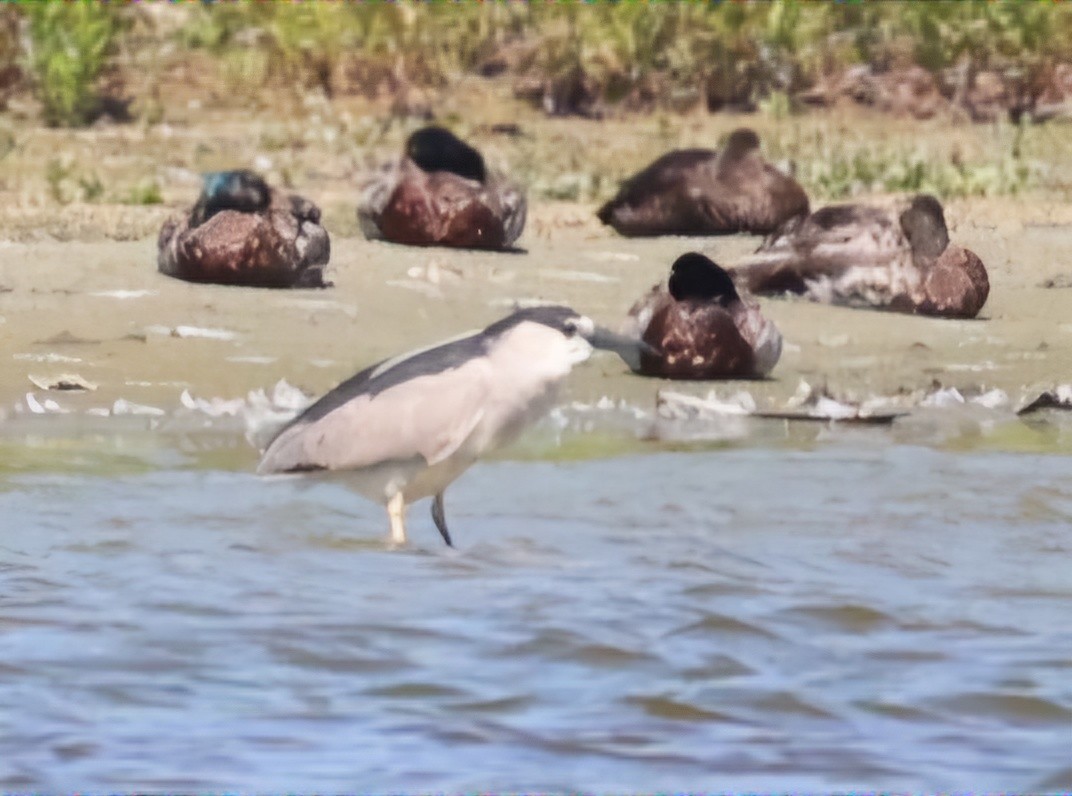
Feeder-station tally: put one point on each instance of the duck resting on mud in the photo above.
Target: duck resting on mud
(441, 193)
(699, 327)
(862, 256)
(707, 192)
(242, 232)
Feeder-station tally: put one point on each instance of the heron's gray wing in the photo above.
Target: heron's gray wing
(385, 374)
(430, 415)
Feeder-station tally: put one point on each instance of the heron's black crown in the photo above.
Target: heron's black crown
(557, 317)
(694, 276)
(438, 149)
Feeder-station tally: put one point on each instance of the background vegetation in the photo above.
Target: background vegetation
(636, 54)
(68, 65)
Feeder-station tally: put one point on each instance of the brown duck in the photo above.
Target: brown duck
(242, 232)
(707, 192)
(442, 194)
(699, 326)
(863, 256)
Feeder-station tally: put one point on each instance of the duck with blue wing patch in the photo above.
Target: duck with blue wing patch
(242, 232)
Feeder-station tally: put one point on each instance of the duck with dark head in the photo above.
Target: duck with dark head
(863, 256)
(241, 190)
(441, 193)
(242, 232)
(699, 326)
(707, 192)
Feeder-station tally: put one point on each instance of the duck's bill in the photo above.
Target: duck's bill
(628, 348)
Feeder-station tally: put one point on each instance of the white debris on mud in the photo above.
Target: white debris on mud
(261, 414)
(184, 331)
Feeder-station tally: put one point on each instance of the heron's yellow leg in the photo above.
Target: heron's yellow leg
(396, 512)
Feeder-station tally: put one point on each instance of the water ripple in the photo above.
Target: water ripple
(838, 618)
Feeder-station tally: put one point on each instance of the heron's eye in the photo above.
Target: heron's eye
(570, 328)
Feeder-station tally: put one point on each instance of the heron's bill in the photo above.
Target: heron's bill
(628, 348)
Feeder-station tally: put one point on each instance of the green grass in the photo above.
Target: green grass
(668, 55)
(837, 171)
(10, 72)
(725, 53)
(146, 192)
(70, 45)
(654, 56)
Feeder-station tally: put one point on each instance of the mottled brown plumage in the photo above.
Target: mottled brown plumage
(955, 286)
(281, 244)
(440, 194)
(863, 256)
(701, 328)
(706, 192)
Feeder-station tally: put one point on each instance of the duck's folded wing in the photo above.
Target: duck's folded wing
(514, 209)
(669, 174)
(775, 272)
(429, 416)
(825, 245)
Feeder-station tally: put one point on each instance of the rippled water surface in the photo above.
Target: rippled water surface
(854, 614)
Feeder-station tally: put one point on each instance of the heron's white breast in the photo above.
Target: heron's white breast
(528, 365)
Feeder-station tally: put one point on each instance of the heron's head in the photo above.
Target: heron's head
(694, 276)
(241, 190)
(438, 149)
(924, 226)
(566, 336)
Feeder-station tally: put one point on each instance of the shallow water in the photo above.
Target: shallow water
(775, 614)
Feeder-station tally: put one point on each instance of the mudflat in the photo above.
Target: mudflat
(80, 295)
(100, 311)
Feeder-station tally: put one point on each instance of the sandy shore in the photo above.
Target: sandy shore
(101, 312)
(80, 295)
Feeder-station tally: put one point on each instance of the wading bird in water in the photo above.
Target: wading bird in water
(405, 428)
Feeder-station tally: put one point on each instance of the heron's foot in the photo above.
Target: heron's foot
(396, 513)
(440, 519)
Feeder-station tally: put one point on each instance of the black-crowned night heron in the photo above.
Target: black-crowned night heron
(406, 427)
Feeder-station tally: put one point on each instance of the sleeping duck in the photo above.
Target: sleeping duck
(701, 328)
(707, 192)
(242, 232)
(442, 194)
(863, 256)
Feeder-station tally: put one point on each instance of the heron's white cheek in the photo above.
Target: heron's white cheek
(578, 349)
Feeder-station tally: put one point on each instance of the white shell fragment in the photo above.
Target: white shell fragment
(673, 405)
(184, 331)
(124, 407)
(47, 406)
(66, 382)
